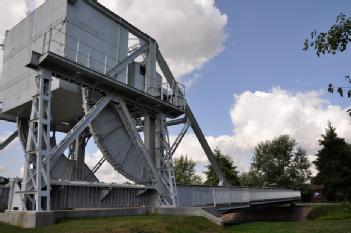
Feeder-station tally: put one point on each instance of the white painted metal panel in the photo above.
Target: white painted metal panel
(94, 39)
(17, 83)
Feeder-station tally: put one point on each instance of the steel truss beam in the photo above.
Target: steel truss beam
(120, 66)
(127, 120)
(166, 169)
(98, 165)
(8, 140)
(163, 178)
(78, 129)
(193, 122)
(179, 138)
(35, 194)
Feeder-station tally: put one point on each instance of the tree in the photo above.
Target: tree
(184, 170)
(333, 163)
(226, 164)
(334, 40)
(250, 178)
(299, 171)
(280, 162)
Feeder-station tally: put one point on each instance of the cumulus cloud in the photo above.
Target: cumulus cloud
(2, 169)
(259, 116)
(106, 173)
(189, 32)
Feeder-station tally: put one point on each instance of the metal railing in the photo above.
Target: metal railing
(174, 96)
(61, 43)
(201, 196)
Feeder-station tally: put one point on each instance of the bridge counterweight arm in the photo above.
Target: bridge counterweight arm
(194, 125)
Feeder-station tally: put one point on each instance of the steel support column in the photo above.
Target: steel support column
(166, 170)
(35, 194)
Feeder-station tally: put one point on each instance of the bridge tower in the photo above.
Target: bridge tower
(78, 69)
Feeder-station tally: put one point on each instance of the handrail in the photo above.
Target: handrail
(85, 54)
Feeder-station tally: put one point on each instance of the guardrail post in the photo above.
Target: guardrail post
(50, 37)
(77, 52)
(105, 64)
(88, 60)
(214, 199)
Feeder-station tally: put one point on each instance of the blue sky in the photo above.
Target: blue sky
(264, 49)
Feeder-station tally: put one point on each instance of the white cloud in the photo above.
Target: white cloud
(189, 32)
(2, 169)
(259, 116)
(188, 83)
(106, 173)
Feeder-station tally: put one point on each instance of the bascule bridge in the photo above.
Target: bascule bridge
(76, 68)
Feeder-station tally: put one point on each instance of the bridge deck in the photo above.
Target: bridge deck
(70, 195)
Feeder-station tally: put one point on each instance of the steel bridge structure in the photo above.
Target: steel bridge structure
(74, 67)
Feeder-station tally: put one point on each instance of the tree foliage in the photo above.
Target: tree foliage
(227, 166)
(281, 163)
(333, 163)
(334, 40)
(184, 170)
(250, 178)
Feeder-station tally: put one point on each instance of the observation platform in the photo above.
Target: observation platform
(66, 69)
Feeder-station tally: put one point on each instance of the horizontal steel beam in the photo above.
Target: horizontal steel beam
(169, 123)
(70, 71)
(177, 121)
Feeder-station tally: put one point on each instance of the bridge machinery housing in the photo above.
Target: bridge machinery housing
(74, 67)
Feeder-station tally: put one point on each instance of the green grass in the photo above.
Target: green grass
(331, 212)
(323, 219)
(137, 224)
(310, 226)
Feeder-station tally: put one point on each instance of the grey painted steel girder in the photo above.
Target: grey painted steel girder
(180, 137)
(8, 140)
(193, 122)
(120, 66)
(57, 151)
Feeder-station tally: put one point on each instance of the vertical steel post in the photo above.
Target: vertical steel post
(150, 75)
(105, 68)
(164, 154)
(36, 179)
(77, 52)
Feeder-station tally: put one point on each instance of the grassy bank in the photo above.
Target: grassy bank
(330, 218)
